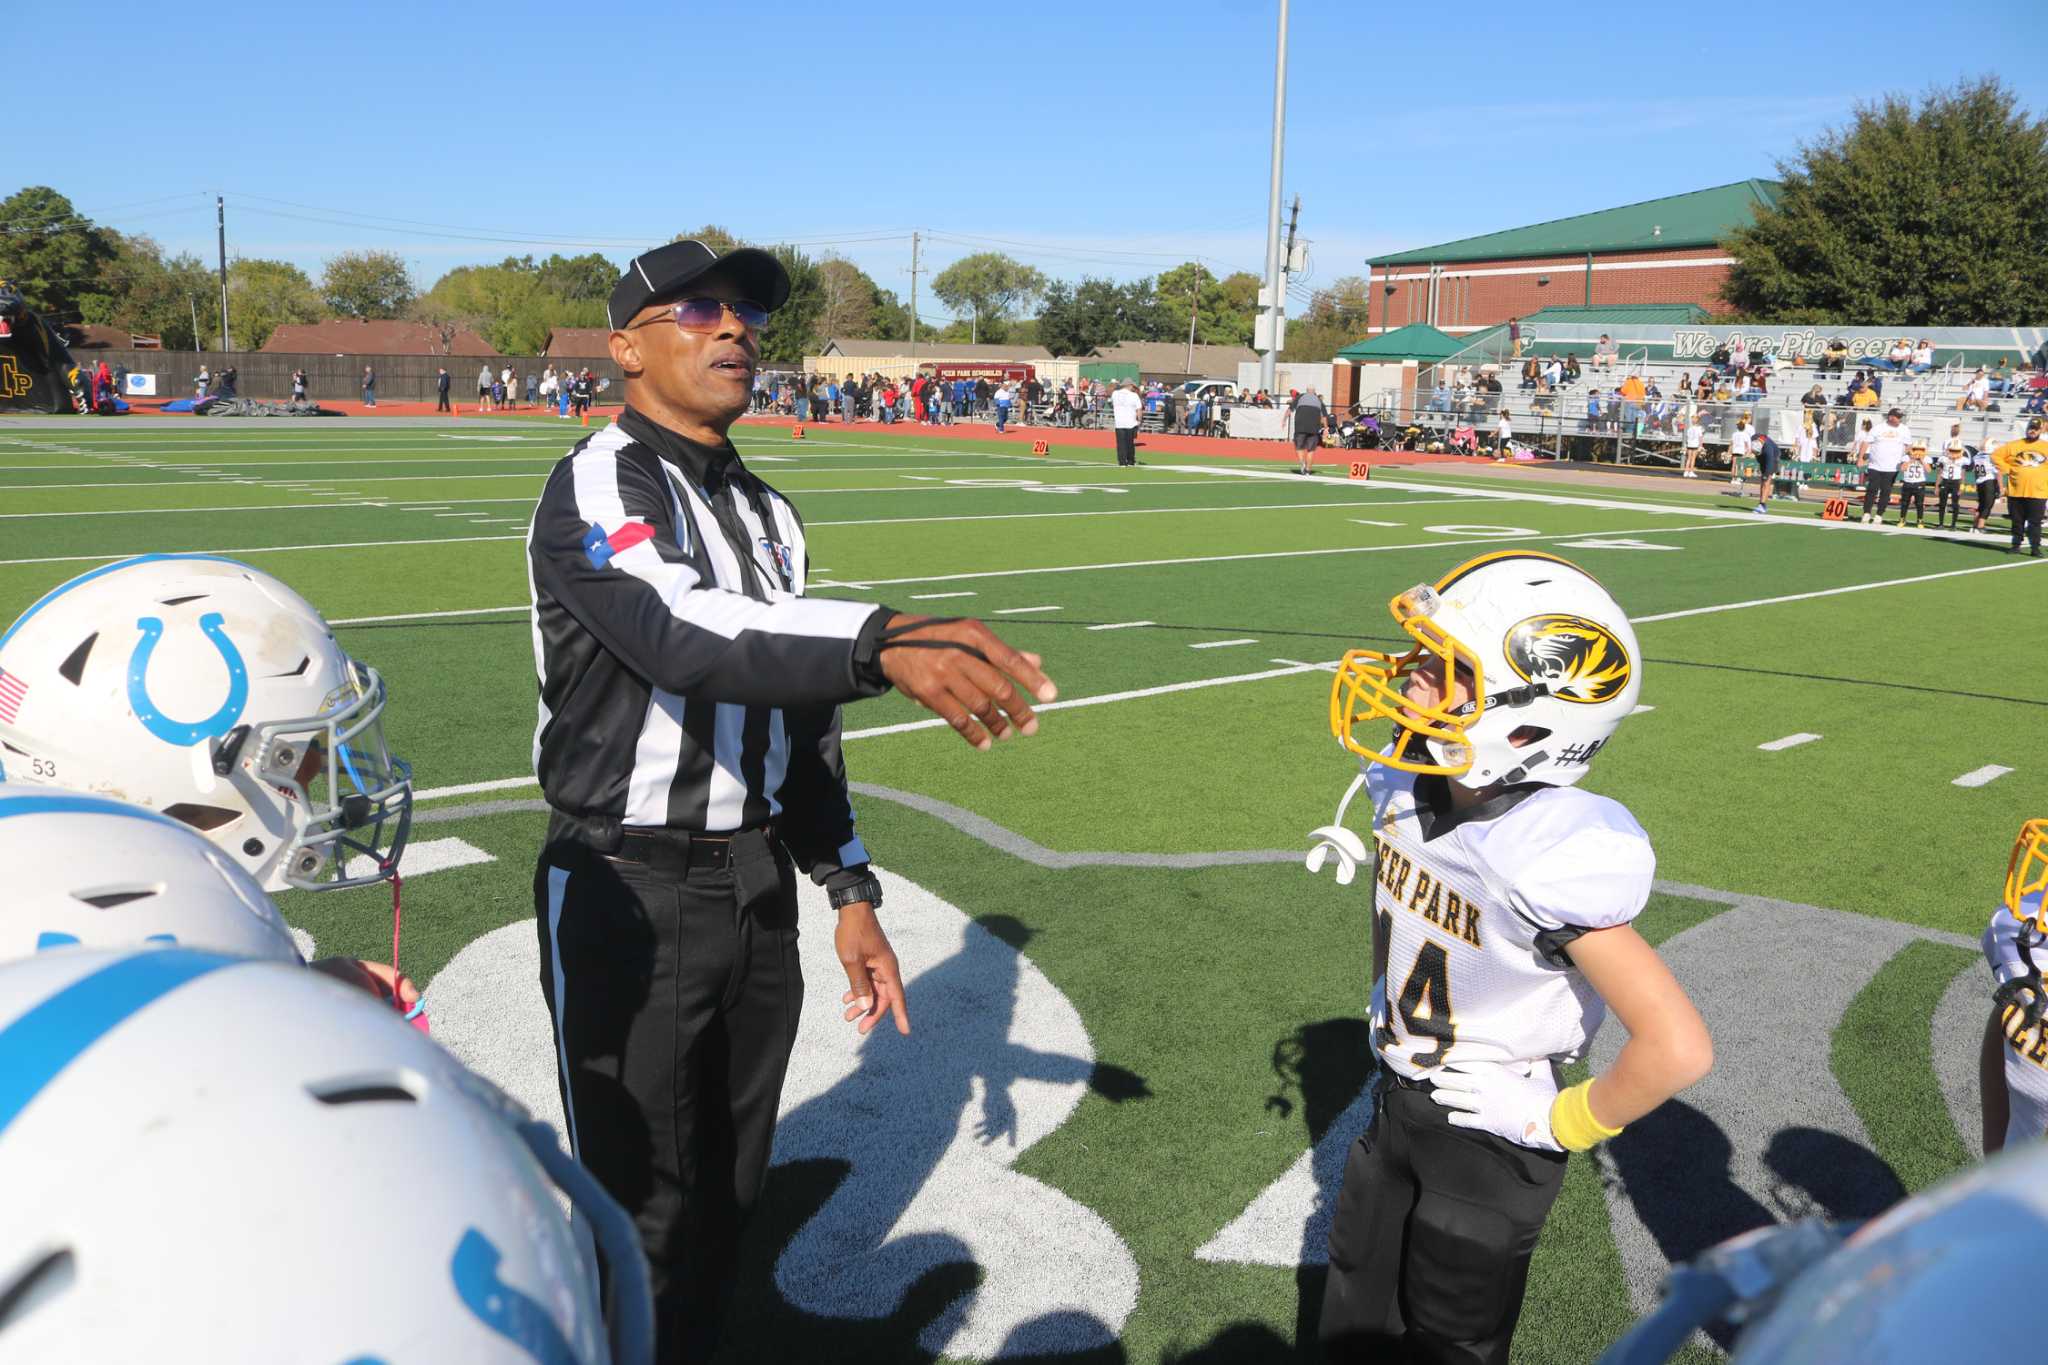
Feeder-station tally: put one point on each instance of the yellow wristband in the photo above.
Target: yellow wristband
(1572, 1122)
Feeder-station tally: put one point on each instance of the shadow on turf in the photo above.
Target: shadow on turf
(1326, 1064)
(765, 1326)
(1675, 1167)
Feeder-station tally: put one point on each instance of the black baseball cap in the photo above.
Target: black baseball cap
(662, 274)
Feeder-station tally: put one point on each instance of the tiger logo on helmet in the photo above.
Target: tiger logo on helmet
(1576, 659)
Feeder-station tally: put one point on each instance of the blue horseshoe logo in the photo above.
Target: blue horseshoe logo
(182, 733)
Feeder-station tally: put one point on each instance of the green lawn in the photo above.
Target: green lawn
(1194, 979)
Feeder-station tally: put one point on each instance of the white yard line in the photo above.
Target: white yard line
(424, 615)
(1788, 742)
(1837, 592)
(265, 549)
(1978, 777)
(1128, 512)
(1751, 522)
(172, 511)
(931, 596)
(1222, 644)
(1022, 611)
(1123, 625)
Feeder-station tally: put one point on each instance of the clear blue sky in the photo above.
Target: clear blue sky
(1101, 138)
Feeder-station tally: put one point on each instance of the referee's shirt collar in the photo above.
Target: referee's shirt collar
(706, 466)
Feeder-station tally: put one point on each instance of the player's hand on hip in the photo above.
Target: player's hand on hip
(874, 983)
(964, 673)
(1496, 1099)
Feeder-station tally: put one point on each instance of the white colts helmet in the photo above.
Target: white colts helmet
(209, 691)
(212, 1158)
(84, 870)
(1554, 665)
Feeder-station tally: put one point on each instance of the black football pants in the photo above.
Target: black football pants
(1877, 491)
(2026, 520)
(674, 987)
(1126, 445)
(1430, 1245)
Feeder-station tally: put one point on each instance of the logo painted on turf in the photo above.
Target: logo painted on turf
(184, 734)
(1577, 660)
(600, 545)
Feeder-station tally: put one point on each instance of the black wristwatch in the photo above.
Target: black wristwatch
(867, 889)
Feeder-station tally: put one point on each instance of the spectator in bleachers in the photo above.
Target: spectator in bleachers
(1923, 357)
(1553, 375)
(1631, 393)
(1594, 411)
(1704, 390)
(1571, 369)
(1861, 393)
(1722, 393)
(1440, 397)
(1814, 398)
(1532, 375)
(1738, 355)
(1835, 358)
(2038, 404)
(1604, 352)
(1977, 394)
(1514, 336)
(1658, 410)
(2001, 378)
(1897, 358)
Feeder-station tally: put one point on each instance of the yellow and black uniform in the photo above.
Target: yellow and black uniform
(2024, 465)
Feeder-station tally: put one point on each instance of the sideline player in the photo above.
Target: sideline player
(2012, 1068)
(1502, 932)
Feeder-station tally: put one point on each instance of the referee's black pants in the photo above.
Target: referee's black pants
(674, 986)
(1430, 1245)
(1126, 445)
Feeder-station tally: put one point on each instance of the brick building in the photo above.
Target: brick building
(1659, 251)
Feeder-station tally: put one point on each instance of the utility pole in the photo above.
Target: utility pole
(913, 296)
(974, 329)
(198, 342)
(1270, 349)
(220, 218)
(1194, 296)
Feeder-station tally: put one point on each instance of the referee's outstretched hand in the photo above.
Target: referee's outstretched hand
(962, 671)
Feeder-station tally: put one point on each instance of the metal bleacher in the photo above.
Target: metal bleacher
(1559, 424)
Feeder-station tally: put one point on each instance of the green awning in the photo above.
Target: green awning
(1416, 341)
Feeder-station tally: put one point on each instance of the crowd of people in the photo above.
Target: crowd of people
(1196, 408)
(568, 390)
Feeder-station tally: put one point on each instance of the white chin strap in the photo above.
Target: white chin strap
(1335, 838)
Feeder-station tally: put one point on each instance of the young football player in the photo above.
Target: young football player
(2013, 1064)
(1913, 485)
(1954, 462)
(1503, 901)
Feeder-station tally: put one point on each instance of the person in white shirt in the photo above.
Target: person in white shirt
(1923, 356)
(1553, 373)
(483, 389)
(1740, 442)
(1125, 407)
(1695, 441)
(1885, 450)
(1978, 394)
(1503, 432)
(1952, 464)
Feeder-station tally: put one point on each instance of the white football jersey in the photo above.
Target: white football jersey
(2011, 947)
(1470, 924)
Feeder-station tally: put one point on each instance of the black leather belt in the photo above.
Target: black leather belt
(681, 850)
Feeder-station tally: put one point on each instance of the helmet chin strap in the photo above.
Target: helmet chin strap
(417, 1015)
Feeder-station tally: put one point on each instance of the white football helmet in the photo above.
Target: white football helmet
(1553, 661)
(205, 1157)
(86, 870)
(211, 692)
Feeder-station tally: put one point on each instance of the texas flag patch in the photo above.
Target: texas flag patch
(600, 545)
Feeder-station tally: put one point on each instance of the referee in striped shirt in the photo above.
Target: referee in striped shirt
(689, 749)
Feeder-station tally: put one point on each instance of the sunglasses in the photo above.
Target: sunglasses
(707, 315)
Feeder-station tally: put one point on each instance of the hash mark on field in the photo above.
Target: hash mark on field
(1788, 742)
(1360, 522)
(1990, 772)
(434, 855)
(1296, 663)
(1022, 611)
(1640, 709)
(931, 596)
(1123, 625)
(1222, 644)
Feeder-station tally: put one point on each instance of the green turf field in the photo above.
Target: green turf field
(1190, 611)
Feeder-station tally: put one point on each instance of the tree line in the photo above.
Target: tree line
(1915, 214)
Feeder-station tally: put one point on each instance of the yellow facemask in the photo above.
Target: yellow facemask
(2027, 875)
(1371, 686)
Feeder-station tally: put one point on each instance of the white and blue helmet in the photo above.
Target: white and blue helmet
(85, 870)
(206, 1157)
(212, 693)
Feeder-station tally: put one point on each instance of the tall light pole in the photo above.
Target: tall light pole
(220, 218)
(1270, 351)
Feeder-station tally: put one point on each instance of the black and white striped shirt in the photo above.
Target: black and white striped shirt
(685, 681)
